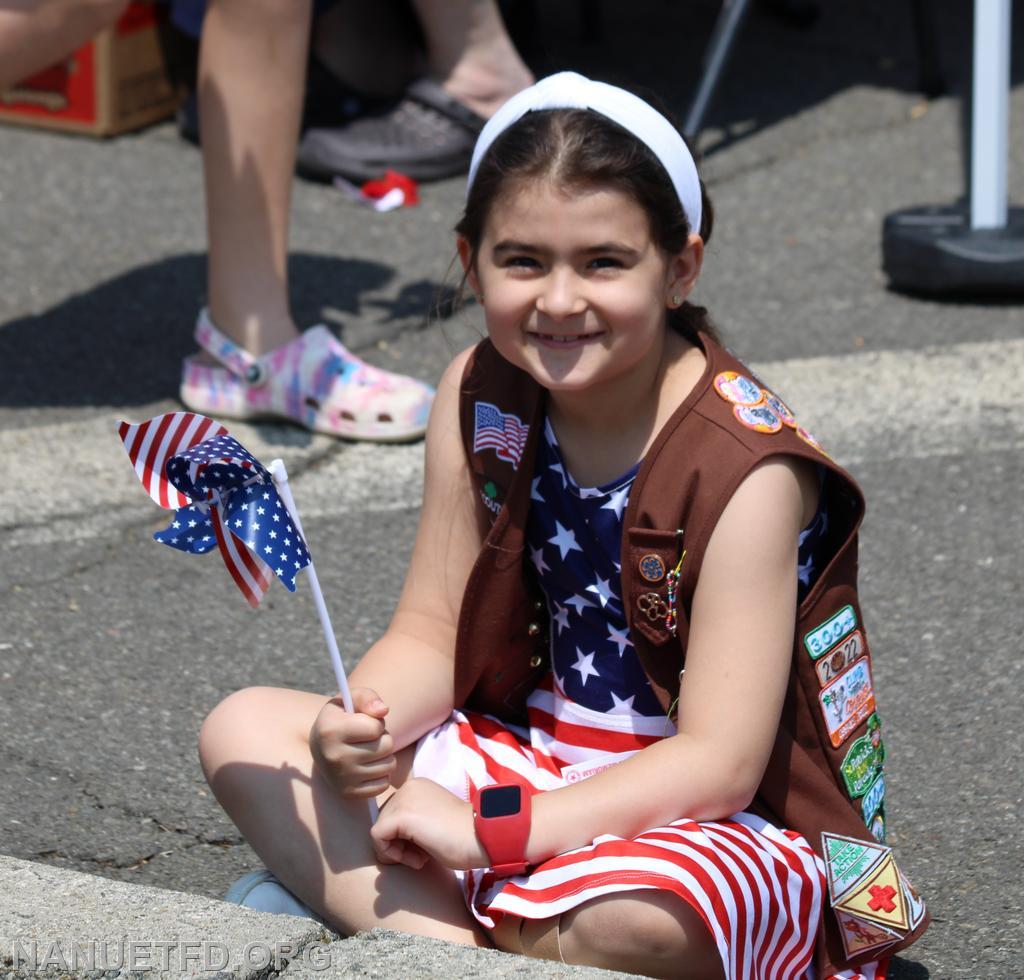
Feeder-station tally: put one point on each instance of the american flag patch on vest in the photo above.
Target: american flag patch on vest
(503, 432)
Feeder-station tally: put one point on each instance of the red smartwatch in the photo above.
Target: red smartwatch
(501, 817)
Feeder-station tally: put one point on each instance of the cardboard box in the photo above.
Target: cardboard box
(116, 82)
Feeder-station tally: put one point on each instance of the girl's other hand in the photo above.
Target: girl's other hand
(424, 820)
(354, 751)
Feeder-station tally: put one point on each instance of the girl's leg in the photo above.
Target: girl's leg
(650, 932)
(252, 69)
(255, 753)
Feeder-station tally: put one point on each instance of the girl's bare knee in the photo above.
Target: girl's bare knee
(656, 933)
(231, 724)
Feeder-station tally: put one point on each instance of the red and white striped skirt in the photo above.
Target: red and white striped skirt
(759, 889)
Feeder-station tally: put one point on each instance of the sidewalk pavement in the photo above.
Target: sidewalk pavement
(112, 651)
(56, 923)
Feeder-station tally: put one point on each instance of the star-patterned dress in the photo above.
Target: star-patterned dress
(759, 888)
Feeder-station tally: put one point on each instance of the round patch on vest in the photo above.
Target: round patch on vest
(652, 568)
(760, 418)
(780, 408)
(738, 388)
(811, 441)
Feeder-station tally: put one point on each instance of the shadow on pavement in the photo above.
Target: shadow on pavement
(122, 342)
(901, 969)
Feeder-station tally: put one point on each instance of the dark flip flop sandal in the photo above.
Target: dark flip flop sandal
(426, 135)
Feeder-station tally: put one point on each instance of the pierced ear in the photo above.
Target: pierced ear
(467, 258)
(684, 270)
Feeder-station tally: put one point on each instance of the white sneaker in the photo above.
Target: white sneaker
(260, 890)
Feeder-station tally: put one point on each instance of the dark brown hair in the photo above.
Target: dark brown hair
(580, 148)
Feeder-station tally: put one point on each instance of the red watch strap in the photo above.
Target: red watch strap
(503, 836)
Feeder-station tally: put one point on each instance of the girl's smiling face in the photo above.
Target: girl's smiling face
(575, 290)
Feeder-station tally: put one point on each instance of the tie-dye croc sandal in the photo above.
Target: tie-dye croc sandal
(313, 381)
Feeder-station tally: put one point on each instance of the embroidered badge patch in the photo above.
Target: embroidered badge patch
(833, 663)
(860, 766)
(866, 892)
(811, 441)
(860, 937)
(915, 904)
(847, 701)
(738, 388)
(780, 408)
(875, 734)
(760, 418)
(848, 861)
(503, 432)
(879, 898)
(877, 828)
(873, 799)
(822, 638)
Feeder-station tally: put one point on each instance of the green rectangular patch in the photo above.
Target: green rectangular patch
(822, 638)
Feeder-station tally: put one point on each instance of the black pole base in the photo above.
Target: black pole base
(933, 249)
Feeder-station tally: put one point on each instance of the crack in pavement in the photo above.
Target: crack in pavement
(67, 573)
(48, 769)
(136, 861)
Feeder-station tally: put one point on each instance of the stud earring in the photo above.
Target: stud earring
(677, 300)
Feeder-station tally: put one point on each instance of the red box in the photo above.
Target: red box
(116, 82)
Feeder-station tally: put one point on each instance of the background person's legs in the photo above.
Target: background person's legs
(471, 68)
(35, 34)
(463, 45)
(374, 48)
(470, 52)
(252, 68)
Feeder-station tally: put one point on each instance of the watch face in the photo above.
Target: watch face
(500, 801)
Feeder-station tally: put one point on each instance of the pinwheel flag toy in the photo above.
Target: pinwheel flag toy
(223, 498)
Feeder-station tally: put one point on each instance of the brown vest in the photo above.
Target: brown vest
(824, 775)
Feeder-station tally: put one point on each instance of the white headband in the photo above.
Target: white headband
(568, 90)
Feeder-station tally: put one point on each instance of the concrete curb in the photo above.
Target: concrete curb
(58, 923)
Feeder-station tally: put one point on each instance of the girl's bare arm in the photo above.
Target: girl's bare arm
(411, 665)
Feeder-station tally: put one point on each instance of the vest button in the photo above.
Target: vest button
(538, 606)
(533, 630)
(535, 660)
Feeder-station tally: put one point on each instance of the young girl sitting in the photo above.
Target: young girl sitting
(623, 715)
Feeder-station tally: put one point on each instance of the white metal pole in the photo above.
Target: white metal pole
(989, 113)
(280, 475)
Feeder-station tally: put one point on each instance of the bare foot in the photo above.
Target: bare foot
(470, 53)
(484, 87)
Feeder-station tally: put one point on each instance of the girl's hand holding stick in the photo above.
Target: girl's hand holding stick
(376, 707)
